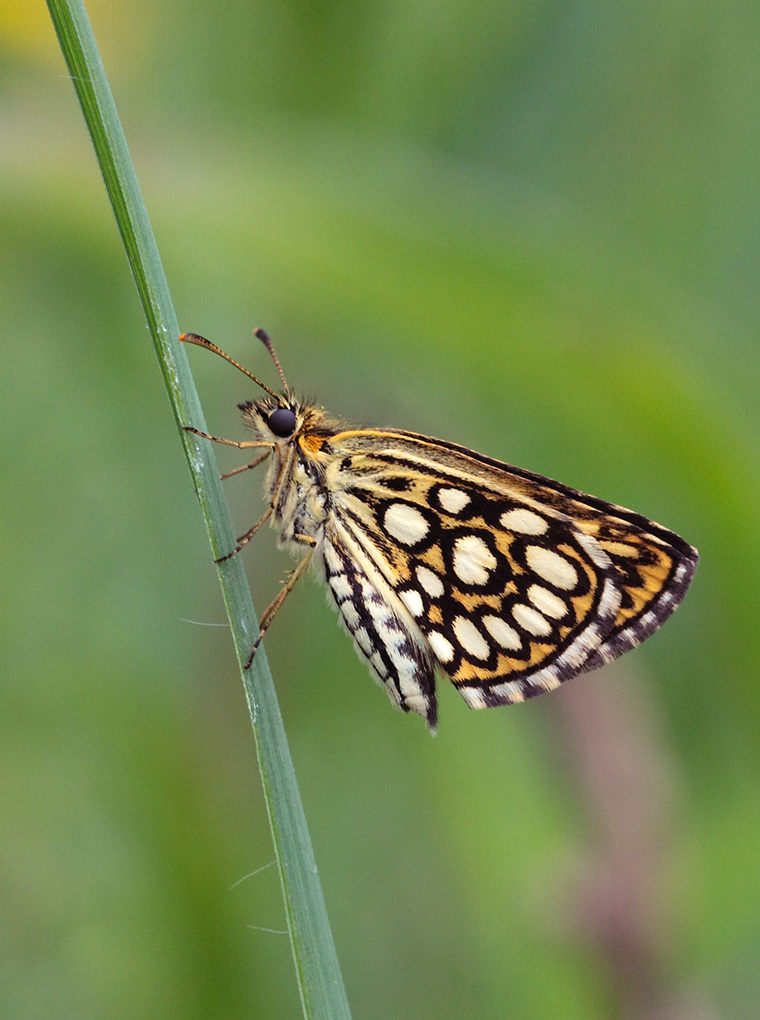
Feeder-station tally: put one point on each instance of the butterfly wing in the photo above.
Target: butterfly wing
(510, 582)
(396, 651)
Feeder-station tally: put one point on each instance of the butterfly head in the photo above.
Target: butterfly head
(285, 420)
(274, 420)
(278, 419)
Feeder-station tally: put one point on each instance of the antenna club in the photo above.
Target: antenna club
(261, 334)
(193, 338)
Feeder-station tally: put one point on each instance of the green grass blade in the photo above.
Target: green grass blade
(319, 978)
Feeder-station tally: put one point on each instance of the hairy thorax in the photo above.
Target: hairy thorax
(299, 497)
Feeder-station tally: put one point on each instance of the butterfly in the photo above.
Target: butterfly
(441, 559)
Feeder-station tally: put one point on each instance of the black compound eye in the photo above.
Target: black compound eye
(282, 422)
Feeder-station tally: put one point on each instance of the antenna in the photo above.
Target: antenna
(262, 335)
(201, 341)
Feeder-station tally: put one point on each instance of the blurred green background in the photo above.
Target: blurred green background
(531, 228)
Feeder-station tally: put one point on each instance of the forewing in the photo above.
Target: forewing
(516, 582)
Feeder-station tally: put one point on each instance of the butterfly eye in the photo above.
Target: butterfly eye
(282, 422)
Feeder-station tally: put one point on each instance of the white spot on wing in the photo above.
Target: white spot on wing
(407, 678)
(511, 691)
(430, 581)
(332, 559)
(340, 586)
(417, 701)
(378, 665)
(610, 600)
(473, 560)
(590, 545)
(531, 620)
(547, 602)
(470, 638)
(524, 521)
(442, 647)
(385, 624)
(350, 615)
(473, 696)
(405, 523)
(412, 600)
(501, 631)
(453, 500)
(555, 569)
(361, 637)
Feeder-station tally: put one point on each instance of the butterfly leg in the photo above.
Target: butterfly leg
(245, 538)
(271, 611)
(246, 467)
(245, 445)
